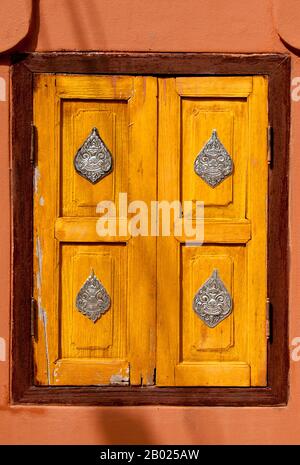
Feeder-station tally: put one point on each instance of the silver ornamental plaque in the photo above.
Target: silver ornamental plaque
(93, 300)
(93, 160)
(212, 302)
(213, 164)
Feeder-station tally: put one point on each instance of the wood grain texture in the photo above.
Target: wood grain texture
(189, 352)
(220, 107)
(168, 296)
(277, 68)
(218, 356)
(257, 205)
(84, 229)
(142, 249)
(221, 231)
(46, 250)
(69, 348)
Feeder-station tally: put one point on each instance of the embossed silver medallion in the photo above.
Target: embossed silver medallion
(93, 160)
(212, 302)
(213, 164)
(93, 300)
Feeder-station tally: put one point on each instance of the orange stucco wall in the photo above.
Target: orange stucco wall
(144, 25)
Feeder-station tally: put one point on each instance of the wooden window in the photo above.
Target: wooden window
(150, 347)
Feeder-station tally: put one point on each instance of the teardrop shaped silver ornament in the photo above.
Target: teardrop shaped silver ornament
(93, 300)
(213, 164)
(212, 302)
(93, 160)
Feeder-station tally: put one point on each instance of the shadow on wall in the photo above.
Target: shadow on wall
(143, 425)
(290, 48)
(81, 20)
(123, 427)
(29, 42)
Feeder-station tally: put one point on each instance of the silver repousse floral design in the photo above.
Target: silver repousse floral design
(212, 302)
(93, 160)
(93, 300)
(213, 164)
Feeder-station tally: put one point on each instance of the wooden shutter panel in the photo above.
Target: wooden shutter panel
(120, 348)
(69, 348)
(233, 353)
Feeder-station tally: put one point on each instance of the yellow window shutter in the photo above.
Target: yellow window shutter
(190, 352)
(70, 348)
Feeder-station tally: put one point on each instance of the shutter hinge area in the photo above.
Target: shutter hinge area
(154, 376)
(32, 144)
(270, 145)
(33, 323)
(269, 320)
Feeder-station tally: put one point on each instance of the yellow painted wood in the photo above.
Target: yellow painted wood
(84, 229)
(151, 323)
(168, 248)
(107, 338)
(230, 118)
(257, 212)
(221, 374)
(142, 250)
(95, 87)
(46, 209)
(235, 230)
(79, 197)
(69, 348)
(227, 341)
(229, 86)
(85, 371)
(219, 231)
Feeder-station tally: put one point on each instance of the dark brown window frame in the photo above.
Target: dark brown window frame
(277, 68)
